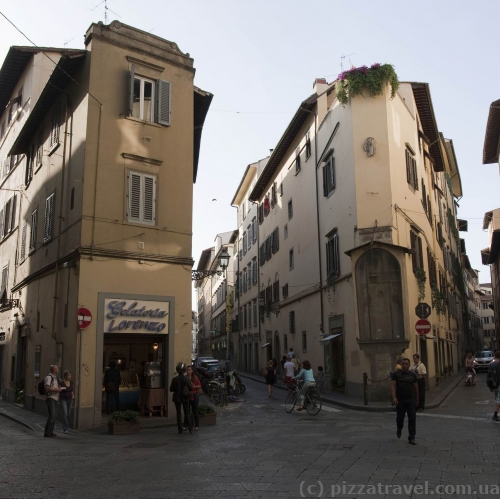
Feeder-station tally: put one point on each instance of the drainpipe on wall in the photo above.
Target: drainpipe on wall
(321, 326)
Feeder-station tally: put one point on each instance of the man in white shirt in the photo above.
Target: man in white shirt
(289, 367)
(291, 353)
(52, 391)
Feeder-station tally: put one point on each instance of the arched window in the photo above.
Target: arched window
(379, 295)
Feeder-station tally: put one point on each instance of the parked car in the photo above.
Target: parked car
(198, 360)
(483, 359)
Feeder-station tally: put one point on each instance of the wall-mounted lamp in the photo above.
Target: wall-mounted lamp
(155, 346)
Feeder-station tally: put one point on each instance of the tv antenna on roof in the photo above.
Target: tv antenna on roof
(343, 57)
(66, 43)
(106, 8)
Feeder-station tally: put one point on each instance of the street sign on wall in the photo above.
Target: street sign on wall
(84, 318)
(423, 310)
(423, 326)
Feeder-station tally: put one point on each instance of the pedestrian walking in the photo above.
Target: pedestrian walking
(52, 391)
(296, 365)
(404, 389)
(420, 371)
(112, 382)
(270, 378)
(306, 373)
(66, 398)
(398, 364)
(282, 362)
(289, 369)
(181, 388)
(291, 353)
(194, 400)
(494, 384)
(320, 379)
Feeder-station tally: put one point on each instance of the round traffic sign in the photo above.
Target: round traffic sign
(84, 318)
(423, 326)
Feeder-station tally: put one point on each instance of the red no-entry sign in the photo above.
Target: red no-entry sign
(423, 326)
(84, 318)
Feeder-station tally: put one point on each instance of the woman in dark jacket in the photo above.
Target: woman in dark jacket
(66, 399)
(180, 396)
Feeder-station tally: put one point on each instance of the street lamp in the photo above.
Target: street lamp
(223, 264)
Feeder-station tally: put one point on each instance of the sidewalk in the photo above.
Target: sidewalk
(36, 422)
(433, 398)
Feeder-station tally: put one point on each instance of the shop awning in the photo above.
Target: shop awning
(265, 345)
(329, 338)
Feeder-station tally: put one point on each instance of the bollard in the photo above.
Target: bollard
(365, 388)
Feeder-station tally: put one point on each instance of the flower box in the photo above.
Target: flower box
(206, 419)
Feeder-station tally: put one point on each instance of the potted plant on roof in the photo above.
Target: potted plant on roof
(124, 423)
(207, 413)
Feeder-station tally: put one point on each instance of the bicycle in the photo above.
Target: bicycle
(312, 399)
(217, 391)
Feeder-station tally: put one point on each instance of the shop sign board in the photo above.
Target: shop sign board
(135, 316)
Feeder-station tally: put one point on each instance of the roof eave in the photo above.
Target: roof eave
(276, 157)
(202, 101)
(492, 135)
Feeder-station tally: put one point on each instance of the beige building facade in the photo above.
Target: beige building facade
(363, 199)
(108, 154)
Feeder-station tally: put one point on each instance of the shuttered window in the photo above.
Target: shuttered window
(254, 230)
(5, 274)
(141, 198)
(49, 218)
(291, 322)
(411, 170)
(23, 242)
(297, 160)
(329, 176)
(29, 166)
(254, 271)
(308, 145)
(290, 209)
(150, 100)
(417, 256)
(275, 242)
(33, 227)
(2, 227)
(54, 129)
(332, 256)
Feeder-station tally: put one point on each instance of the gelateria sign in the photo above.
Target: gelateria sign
(135, 316)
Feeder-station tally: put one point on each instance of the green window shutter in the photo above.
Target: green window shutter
(148, 210)
(49, 218)
(164, 102)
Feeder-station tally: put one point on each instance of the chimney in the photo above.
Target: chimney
(320, 85)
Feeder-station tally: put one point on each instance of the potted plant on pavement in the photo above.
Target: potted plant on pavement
(124, 423)
(208, 416)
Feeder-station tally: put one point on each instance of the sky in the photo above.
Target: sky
(260, 60)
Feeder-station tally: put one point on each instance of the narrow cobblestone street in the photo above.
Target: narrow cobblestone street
(258, 450)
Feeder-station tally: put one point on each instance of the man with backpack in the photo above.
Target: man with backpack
(52, 390)
(493, 382)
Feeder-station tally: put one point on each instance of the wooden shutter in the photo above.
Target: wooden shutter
(328, 259)
(7, 217)
(414, 173)
(134, 197)
(49, 218)
(325, 186)
(164, 102)
(420, 253)
(332, 172)
(23, 241)
(34, 222)
(148, 210)
(5, 271)
(13, 208)
(414, 250)
(54, 131)
(336, 256)
(2, 231)
(408, 167)
(131, 91)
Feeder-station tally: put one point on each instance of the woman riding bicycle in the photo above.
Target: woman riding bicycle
(306, 373)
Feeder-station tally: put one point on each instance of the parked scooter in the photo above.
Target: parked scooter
(234, 382)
